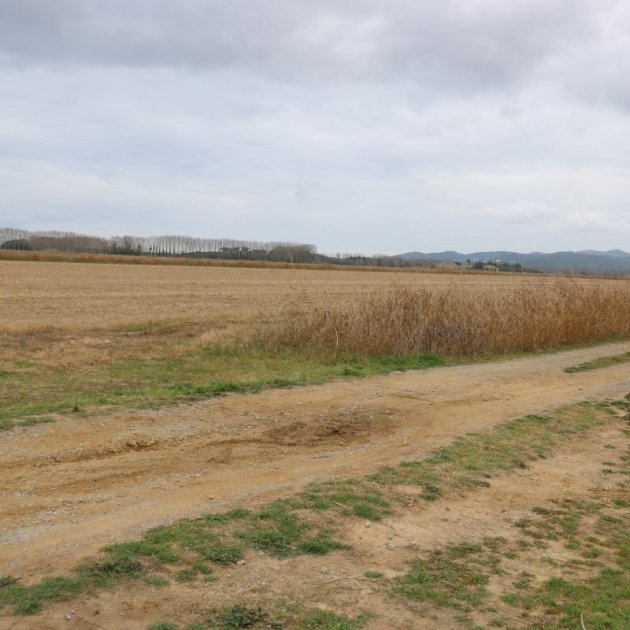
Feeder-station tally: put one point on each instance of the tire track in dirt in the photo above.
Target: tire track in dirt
(338, 581)
(71, 487)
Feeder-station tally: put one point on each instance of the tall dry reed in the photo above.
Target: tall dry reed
(459, 321)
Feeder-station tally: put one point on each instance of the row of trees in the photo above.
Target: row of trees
(188, 246)
(11, 238)
(170, 245)
(230, 249)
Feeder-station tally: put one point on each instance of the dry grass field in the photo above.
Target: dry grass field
(447, 494)
(80, 296)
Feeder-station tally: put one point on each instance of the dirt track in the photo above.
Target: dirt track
(71, 487)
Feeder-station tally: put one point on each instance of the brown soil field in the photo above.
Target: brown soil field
(37, 296)
(339, 581)
(73, 486)
(70, 487)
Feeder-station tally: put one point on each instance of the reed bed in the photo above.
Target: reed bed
(458, 321)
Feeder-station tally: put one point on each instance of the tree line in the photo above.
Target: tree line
(186, 246)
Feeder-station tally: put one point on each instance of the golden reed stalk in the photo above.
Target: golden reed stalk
(462, 321)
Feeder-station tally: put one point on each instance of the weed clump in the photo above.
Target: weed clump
(241, 617)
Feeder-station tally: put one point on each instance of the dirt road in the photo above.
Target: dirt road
(71, 487)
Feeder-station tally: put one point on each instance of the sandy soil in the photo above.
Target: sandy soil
(71, 487)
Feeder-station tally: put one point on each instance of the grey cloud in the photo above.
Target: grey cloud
(459, 44)
(605, 83)
(477, 124)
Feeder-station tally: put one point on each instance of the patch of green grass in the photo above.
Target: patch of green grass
(144, 379)
(373, 575)
(456, 577)
(186, 575)
(26, 421)
(202, 568)
(128, 552)
(22, 364)
(512, 599)
(156, 580)
(110, 570)
(162, 625)
(191, 391)
(469, 461)
(321, 544)
(562, 522)
(524, 580)
(355, 497)
(447, 577)
(223, 554)
(326, 620)
(431, 492)
(226, 517)
(8, 580)
(274, 542)
(28, 600)
(597, 530)
(600, 363)
(276, 529)
(282, 615)
(240, 617)
(281, 529)
(601, 602)
(199, 374)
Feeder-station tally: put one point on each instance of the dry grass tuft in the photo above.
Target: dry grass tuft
(456, 321)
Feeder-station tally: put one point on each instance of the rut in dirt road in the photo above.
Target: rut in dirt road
(71, 487)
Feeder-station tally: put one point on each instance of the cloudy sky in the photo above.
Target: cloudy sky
(358, 125)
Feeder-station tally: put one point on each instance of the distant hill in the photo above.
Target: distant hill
(589, 261)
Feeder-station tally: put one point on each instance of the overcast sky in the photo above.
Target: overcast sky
(357, 125)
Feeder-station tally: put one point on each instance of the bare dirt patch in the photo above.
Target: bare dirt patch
(360, 578)
(71, 487)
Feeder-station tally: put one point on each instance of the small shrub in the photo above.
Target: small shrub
(319, 546)
(241, 617)
(8, 580)
(223, 554)
(110, 569)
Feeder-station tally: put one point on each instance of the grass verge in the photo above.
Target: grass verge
(602, 362)
(470, 461)
(578, 569)
(31, 391)
(149, 364)
(310, 522)
(577, 559)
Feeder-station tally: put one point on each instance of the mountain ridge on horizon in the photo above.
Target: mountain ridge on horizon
(588, 261)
